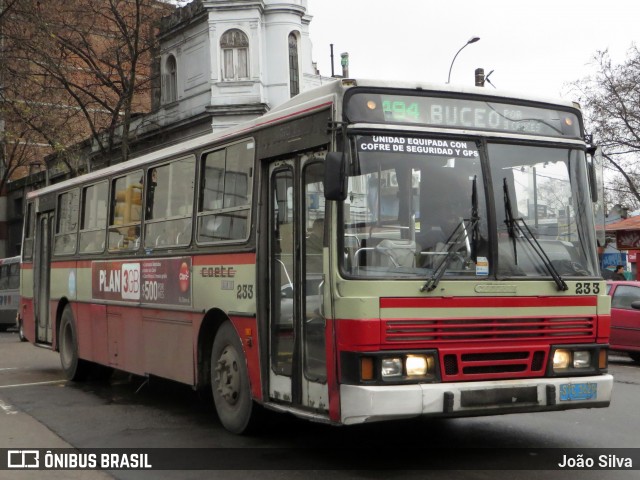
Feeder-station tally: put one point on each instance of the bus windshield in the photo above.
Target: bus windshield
(418, 207)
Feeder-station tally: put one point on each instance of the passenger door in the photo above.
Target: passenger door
(42, 275)
(297, 347)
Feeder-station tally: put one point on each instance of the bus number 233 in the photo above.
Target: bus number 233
(245, 291)
(585, 288)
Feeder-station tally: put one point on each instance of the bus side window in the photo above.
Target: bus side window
(126, 212)
(4, 277)
(14, 276)
(93, 218)
(67, 223)
(29, 229)
(225, 194)
(169, 204)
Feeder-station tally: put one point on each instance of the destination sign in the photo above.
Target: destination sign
(462, 114)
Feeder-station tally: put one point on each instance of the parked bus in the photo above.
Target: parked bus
(367, 251)
(9, 291)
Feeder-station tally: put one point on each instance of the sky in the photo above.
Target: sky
(534, 47)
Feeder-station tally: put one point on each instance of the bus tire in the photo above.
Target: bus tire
(230, 381)
(75, 369)
(21, 332)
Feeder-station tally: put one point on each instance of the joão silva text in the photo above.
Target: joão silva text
(604, 461)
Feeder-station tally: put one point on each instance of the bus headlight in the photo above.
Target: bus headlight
(420, 365)
(397, 368)
(564, 359)
(391, 368)
(561, 359)
(581, 359)
(416, 365)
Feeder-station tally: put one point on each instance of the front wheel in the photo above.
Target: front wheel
(74, 367)
(230, 381)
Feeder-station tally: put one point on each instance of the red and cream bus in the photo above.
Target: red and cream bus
(367, 251)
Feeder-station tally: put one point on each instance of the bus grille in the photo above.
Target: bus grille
(469, 330)
(485, 365)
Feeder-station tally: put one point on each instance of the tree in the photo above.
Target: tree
(5, 7)
(78, 69)
(611, 101)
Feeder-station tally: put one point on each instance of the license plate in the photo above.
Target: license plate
(578, 391)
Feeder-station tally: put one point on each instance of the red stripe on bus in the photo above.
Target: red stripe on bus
(489, 302)
(198, 260)
(604, 328)
(72, 264)
(67, 264)
(225, 259)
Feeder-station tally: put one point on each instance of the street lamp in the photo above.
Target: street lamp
(473, 39)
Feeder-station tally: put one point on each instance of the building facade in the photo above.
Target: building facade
(224, 62)
(220, 63)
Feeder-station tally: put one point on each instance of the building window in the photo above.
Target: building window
(235, 55)
(170, 80)
(294, 70)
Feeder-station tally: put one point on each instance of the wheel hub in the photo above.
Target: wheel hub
(227, 376)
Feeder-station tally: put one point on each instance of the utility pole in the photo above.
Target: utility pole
(333, 73)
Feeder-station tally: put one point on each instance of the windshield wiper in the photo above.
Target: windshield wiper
(516, 230)
(457, 237)
(475, 220)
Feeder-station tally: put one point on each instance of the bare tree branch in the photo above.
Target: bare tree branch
(75, 70)
(611, 101)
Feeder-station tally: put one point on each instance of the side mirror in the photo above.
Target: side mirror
(594, 170)
(335, 176)
(635, 305)
(593, 183)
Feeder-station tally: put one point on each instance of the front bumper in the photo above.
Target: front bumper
(361, 403)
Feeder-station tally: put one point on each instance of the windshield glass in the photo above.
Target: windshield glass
(417, 208)
(548, 189)
(415, 204)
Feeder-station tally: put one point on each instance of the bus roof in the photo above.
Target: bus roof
(306, 102)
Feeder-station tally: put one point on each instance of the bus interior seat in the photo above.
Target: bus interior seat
(401, 253)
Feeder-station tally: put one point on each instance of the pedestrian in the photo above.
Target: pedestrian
(619, 273)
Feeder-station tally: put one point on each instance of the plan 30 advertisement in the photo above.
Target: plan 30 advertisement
(165, 281)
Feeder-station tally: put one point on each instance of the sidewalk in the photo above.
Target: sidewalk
(20, 431)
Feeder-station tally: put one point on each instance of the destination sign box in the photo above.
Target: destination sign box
(462, 113)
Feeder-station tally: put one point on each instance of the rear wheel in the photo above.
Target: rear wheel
(74, 367)
(230, 381)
